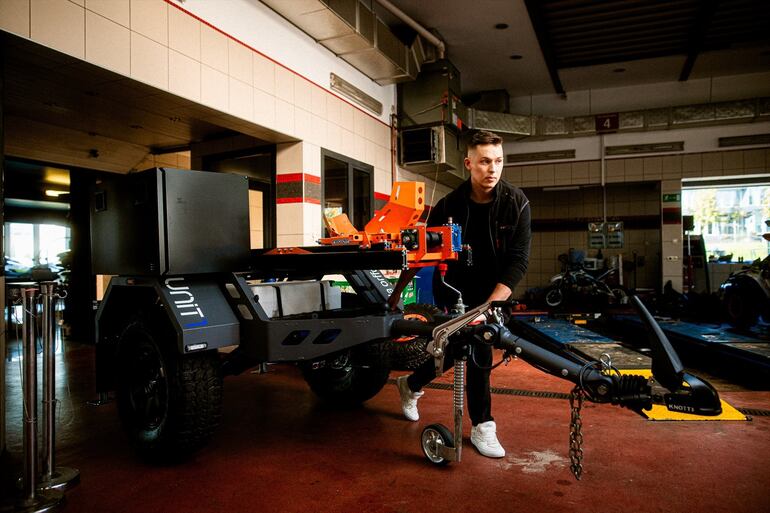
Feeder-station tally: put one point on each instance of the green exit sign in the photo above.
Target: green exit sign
(671, 198)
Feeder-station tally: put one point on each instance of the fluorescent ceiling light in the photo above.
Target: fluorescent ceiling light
(351, 92)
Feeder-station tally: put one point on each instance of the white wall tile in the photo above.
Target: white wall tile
(184, 33)
(264, 73)
(347, 115)
(184, 76)
(240, 62)
(60, 25)
(214, 51)
(14, 16)
(311, 159)
(302, 126)
(241, 99)
(108, 44)
(149, 61)
(334, 109)
(288, 218)
(318, 101)
(303, 93)
(264, 108)
(333, 137)
(115, 10)
(359, 123)
(284, 117)
(215, 88)
(284, 84)
(150, 18)
(318, 130)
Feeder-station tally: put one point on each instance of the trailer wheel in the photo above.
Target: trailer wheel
(341, 383)
(407, 353)
(169, 404)
(433, 437)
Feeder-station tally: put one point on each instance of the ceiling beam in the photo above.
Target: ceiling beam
(698, 36)
(537, 18)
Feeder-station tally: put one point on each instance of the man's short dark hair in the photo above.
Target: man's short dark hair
(483, 137)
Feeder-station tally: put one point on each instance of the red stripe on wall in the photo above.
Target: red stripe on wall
(297, 177)
(289, 177)
(381, 196)
(170, 2)
(298, 199)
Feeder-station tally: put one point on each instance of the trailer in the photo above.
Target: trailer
(190, 303)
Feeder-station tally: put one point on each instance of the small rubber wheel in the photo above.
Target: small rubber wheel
(554, 298)
(620, 295)
(433, 437)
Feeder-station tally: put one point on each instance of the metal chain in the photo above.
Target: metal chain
(576, 432)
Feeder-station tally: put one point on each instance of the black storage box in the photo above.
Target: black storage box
(170, 221)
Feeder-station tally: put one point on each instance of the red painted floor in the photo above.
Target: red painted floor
(280, 450)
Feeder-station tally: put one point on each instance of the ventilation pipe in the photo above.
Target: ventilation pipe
(425, 33)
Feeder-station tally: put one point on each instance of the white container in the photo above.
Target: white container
(296, 297)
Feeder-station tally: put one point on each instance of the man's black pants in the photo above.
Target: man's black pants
(476, 378)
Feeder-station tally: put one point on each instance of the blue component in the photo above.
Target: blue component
(457, 237)
(204, 322)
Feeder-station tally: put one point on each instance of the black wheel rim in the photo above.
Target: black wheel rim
(147, 387)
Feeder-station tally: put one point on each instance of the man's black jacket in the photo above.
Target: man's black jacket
(509, 228)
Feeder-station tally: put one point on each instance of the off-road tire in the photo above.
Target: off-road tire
(169, 404)
(340, 383)
(408, 353)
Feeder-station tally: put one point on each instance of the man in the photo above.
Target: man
(495, 220)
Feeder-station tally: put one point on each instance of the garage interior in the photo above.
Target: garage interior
(639, 131)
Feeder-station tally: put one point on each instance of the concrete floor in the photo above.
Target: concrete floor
(280, 449)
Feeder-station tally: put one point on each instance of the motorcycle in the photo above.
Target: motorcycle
(575, 285)
(745, 294)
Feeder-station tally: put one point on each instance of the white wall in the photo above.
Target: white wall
(258, 26)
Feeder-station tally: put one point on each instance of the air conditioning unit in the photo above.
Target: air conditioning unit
(434, 152)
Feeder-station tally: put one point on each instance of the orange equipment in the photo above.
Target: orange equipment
(395, 227)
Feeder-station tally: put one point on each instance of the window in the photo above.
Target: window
(348, 189)
(30, 245)
(731, 220)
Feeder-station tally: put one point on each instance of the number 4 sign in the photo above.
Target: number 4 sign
(607, 122)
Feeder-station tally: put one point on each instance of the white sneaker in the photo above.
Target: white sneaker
(484, 438)
(408, 399)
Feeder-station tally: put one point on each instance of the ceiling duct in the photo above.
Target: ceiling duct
(502, 122)
(546, 127)
(434, 152)
(355, 34)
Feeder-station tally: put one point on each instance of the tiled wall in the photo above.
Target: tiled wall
(160, 44)
(256, 210)
(584, 204)
(635, 186)
(693, 165)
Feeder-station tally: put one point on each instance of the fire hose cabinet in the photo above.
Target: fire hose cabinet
(168, 222)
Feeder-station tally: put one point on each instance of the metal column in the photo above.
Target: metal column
(52, 477)
(31, 500)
